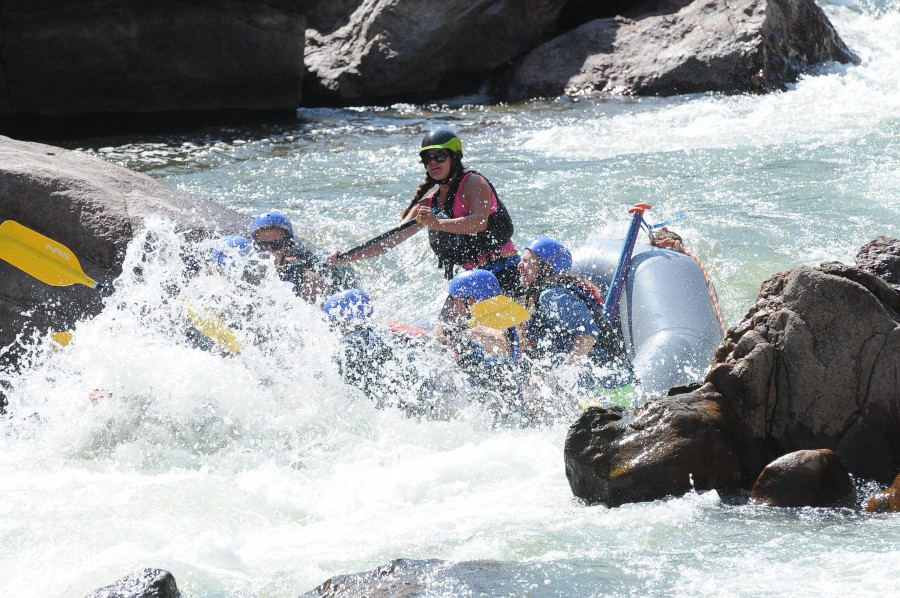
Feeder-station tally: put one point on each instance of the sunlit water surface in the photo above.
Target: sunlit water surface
(263, 474)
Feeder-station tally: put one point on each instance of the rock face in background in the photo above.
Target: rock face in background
(63, 59)
(392, 50)
(682, 47)
(92, 207)
(814, 365)
(81, 69)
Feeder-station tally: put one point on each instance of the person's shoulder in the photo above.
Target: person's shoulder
(555, 294)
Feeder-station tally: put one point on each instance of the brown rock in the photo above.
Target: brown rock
(811, 478)
(886, 501)
(670, 446)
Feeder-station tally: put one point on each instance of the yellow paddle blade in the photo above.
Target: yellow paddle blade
(62, 338)
(213, 328)
(40, 256)
(498, 312)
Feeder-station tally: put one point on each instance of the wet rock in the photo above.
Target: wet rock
(147, 583)
(668, 447)
(886, 501)
(92, 207)
(391, 50)
(811, 478)
(814, 365)
(409, 578)
(63, 59)
(678, 47)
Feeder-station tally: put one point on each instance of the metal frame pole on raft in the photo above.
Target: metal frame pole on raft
(611, 303)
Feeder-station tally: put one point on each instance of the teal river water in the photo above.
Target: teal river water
(263, 475)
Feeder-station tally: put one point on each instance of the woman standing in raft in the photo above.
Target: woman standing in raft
(467, 223)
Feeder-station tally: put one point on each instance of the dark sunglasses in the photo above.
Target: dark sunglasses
(276, 245)
(440, 156)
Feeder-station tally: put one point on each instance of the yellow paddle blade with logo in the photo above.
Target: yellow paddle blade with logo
(498, 312)
(47, 260)
(213, 328)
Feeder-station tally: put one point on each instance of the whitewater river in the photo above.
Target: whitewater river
(263, 474)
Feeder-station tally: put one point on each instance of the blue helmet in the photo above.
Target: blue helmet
(478, 284)
(352, 304)
(272, 220)
(232, 244)
(553, 252)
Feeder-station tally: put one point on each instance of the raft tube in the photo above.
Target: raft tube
(668, 312)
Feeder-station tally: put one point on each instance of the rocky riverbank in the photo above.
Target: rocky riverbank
(88, 68)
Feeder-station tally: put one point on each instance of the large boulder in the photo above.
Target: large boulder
(61, 60)
(814, 365)
(92, 207)
(682, 46)
(393, 50)
(668, 447)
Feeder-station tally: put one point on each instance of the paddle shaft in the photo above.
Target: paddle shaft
(385, 235)
(611, 303)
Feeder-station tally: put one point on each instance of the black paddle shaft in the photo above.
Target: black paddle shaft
(351, 252)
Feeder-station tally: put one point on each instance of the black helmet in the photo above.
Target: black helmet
(442, 138)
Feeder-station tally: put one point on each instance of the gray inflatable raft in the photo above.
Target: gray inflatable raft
(668, 312)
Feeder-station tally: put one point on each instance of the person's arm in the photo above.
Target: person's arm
(380, 248)
(581, 346)
(571, 316)
(476, 193)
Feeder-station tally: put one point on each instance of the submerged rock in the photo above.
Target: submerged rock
(814, 365)
(147, 583)
(410, 578)
(805, 479)
(679, 46)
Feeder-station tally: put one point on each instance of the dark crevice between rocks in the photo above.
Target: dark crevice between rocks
(4, 72)
(32, 127)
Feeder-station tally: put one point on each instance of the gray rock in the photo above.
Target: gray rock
(404, 50)
(683, 47)
(810, 478)
(147, 583)
(814, 365)
(61, 59)
(92, 207)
